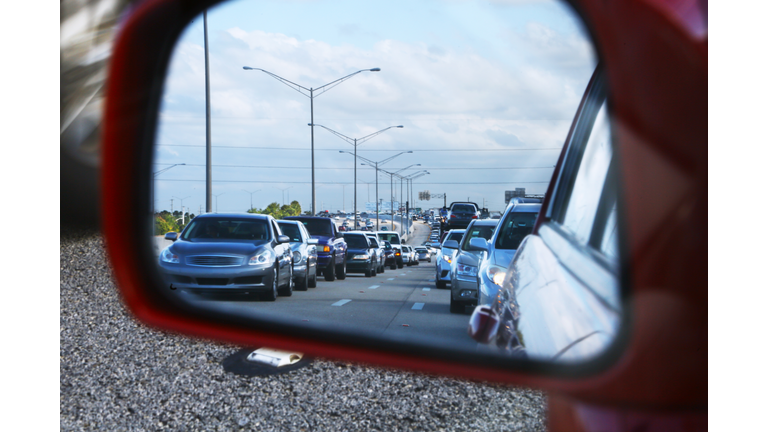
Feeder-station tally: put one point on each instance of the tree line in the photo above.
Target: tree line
(166, 221)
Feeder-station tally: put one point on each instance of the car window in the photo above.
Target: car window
(356, 241)
(482, 231)
(210, 229)
(514, 228)
(464, 208)
(582, 205)
(392, 238)
(317, 227)
(291, 230)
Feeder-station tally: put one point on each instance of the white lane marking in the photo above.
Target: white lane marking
(417, 306)
(341, 302)
(391, 279)
(431, 280)
(402, 274)
(373, 287)
(425, 289)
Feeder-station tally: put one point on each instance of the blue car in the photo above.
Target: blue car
(516, 223)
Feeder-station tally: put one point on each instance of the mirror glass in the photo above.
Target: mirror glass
(412, 122)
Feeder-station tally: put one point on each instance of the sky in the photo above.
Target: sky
(485, 92)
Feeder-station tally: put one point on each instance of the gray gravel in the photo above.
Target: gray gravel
(116, 374)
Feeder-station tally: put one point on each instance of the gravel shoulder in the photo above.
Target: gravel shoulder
(116, 374)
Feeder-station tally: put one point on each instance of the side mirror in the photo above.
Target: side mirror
(283, 239)
(478, 244)
(339, 235)
(312, 241)
(171, 236)
(452, 244)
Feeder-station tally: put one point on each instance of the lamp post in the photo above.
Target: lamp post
(182, 207)
(152, 197)
(375, 165)
(310, 93)
(289, 197)
(217, 201)
(355, 142)
(401, 193)
(259, 190)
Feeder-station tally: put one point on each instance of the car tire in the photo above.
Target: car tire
(287, 290)
(313, 282)
(440, 284)
(272, 294)
(370, 272)
(303, 284)
(341, 269)
(393, 267)
(456, 306)
(330, 271)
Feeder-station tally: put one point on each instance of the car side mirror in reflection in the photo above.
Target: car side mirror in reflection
(451, 244)
(172, 236)
(339, 235)
(283, 239)
(478, 244)
(312, 241)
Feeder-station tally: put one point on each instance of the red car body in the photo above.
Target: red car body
(655, 57)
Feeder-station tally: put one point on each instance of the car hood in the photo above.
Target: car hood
(356, 251)
(323, 239)
(237, 248)
(502, 257)
(295, 246)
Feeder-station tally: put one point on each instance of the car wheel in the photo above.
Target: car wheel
(457, 307)
(440, 284)
(393, 267)
(341, 270)
(272, 294)
(313, 282)
(330, 271)
(370, 272)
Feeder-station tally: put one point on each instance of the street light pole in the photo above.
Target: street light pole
(375, 165)
(252, 196)
(217, 201)
(355, 142)
(182, 208)
(311, 95)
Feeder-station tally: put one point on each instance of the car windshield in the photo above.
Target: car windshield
(464, 208)
(318, 227)
(483, 231)
(393, 238)
(226, 229)
(515, 227)
(454, 236)
(291, 230)
(356, 241)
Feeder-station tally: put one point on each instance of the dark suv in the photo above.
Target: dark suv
(460, 214)
(331, 246)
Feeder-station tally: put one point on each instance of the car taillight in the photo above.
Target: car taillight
(474, 217)
(397, 253)
(453, 216)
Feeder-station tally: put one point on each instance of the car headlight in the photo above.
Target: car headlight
(466, 270)
(167, 256)
(447, 258)
(361, 257)
(496, 274)
(263, 258)
(296, 257)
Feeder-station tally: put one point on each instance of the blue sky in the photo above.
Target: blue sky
(485, 91)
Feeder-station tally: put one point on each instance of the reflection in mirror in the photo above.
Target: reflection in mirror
(466, 106)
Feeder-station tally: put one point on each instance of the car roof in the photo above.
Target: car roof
(233, 215)
(484, 222)
(305, 217)
(290, 222)
(525, 207)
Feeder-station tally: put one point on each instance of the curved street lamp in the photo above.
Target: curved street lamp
(375, 165)
(356, 142)
(310, 93)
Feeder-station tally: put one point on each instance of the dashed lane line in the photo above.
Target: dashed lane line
(391, 279)
(373, 286)
(341, 302)
(425, 289)
(417, 306)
